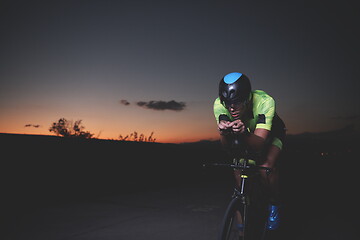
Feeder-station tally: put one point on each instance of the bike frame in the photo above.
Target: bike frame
(247, 172)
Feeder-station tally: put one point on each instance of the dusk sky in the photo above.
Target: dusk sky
(154, 66)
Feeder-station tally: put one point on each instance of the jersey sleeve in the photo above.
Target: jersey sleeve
(266, 114)
(219, 110)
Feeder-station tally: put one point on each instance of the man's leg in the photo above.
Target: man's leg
(272, 182)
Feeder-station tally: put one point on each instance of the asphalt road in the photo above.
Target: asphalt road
(89, 190)
(184, 212)
(179, 213)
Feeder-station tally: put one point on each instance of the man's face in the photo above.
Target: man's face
(237, 110)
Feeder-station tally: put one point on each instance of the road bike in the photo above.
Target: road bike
(246, 215)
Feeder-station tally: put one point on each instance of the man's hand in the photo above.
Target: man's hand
(225, 127)
(238, 126)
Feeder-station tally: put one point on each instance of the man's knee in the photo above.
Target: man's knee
(272, 156)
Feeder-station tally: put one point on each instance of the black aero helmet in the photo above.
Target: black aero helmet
(235, 87)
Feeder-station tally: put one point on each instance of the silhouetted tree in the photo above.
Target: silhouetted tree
(67, 128)
(138, 138)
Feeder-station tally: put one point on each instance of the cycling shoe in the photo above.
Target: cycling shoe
(274, 217)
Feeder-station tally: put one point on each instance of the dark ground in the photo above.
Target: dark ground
(56, 188)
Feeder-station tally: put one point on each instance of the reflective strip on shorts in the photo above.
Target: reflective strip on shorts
(277, 142)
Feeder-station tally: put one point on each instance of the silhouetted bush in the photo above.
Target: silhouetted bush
(135, 137)
(68, 128)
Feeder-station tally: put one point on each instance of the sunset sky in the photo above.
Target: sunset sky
(154, 66)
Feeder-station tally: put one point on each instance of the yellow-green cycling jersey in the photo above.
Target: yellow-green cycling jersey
(263, 115)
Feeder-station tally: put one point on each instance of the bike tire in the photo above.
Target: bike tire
(229, 230)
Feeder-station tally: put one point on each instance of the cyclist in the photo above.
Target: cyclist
(249, 115)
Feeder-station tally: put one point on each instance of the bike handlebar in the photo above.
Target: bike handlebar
(236, 166)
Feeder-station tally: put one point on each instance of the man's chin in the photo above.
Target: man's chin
(236, 117)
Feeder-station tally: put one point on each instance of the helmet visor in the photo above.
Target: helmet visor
(234, 103)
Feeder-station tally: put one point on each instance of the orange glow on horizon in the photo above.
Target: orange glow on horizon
(159, 139)
(182, 134)
(172, 130)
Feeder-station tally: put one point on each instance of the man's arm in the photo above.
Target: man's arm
(256, 140)
(225, 139)
(225, 131)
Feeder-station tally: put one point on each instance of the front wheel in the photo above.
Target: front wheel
(234, 215)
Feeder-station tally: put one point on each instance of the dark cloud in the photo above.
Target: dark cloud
(348, 117)
(124, 102)
(162, 105)
(32, 125)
